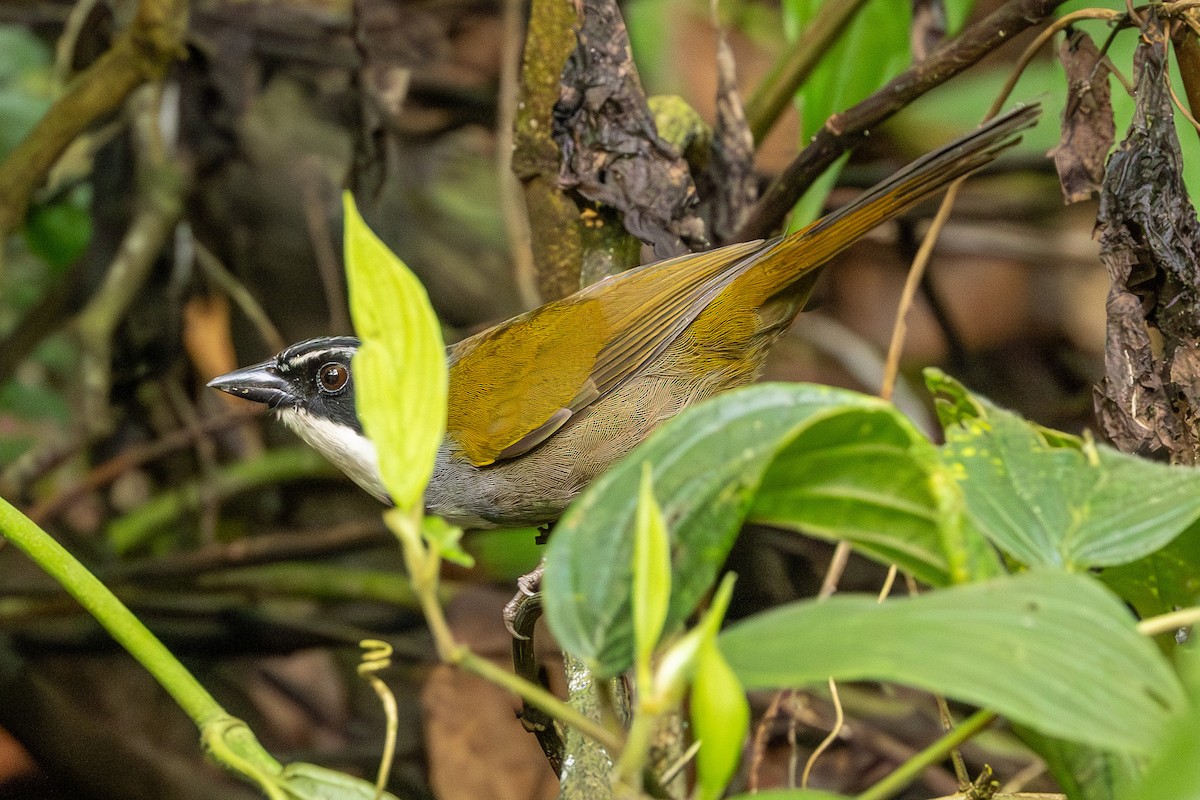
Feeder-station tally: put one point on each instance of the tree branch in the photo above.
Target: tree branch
(142, 53)
(843, 131)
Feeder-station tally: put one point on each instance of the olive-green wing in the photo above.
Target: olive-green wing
(513, 386)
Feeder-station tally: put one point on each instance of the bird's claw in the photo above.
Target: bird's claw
(528, 587)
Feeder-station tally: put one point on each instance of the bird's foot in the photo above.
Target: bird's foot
(527, 599)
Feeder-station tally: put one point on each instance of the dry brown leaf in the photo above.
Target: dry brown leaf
(1088, 130)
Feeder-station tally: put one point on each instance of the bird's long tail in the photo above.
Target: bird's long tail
(929, 174)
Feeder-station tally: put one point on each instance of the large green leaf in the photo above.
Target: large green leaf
(706, 466)
(871, 478)
(400, 370)
(1048, 499)
(832, 462)
(1051, 650)
(1081, 771)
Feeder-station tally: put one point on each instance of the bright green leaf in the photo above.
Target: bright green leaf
(1051, 650)
(447, 540)
(651, 575)
(873, 49)
(504, 554)
(867, 476)
(1048, 499)
(720, 720)
(707, 463)
(400, 370)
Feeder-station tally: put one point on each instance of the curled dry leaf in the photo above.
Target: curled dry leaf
(928, 27)
(729, 182)
(1149, 399)
(1088, 130)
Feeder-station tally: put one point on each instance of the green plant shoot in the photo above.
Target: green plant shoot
(719, 710)
(401, 366)
(651, 576)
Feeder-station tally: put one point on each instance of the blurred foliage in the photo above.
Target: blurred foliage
(54, 236)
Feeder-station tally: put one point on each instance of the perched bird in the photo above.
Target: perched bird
(542, 404)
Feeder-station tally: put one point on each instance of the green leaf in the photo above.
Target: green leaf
(1174, 774)
(504, 554)
(1165, 580)
(58, 233)
(1048, 499)
(873, 49)
(868, 476)
(400, 370)
(720, 719)
(790, 794)
(447, 540)
(651, 575)
(1051, 650)
(311, 782)
(827, 461)
(706, 463)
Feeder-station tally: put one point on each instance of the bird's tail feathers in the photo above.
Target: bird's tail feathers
(825, 238)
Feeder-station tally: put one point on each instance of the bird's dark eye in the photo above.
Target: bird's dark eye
(333, 377)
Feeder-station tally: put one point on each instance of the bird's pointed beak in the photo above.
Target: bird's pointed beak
(260, 383)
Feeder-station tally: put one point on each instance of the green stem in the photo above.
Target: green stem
(424, 567)
(539, 697)
(637, 746)
(109, 612)
(907, 772)
(1152, 626)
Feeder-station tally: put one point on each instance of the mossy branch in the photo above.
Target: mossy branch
(141, 54)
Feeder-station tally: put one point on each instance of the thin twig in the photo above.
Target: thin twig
(287, 545)
(107, 472)
(219, 274)
(838, 723)
(1165, 623)
(911, 284)
(837, 565)
(758, 748)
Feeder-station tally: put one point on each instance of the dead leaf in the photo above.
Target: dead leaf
(928, 27)
(1149, 239)
(477, 745)
(1088, 130)
(729, 181)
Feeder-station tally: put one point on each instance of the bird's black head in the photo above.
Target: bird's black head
(312, 377)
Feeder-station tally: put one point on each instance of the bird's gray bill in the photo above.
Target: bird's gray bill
(261, 383)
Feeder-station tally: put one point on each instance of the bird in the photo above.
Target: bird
(543, 403)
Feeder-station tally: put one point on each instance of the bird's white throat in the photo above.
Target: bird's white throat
(348, 449)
